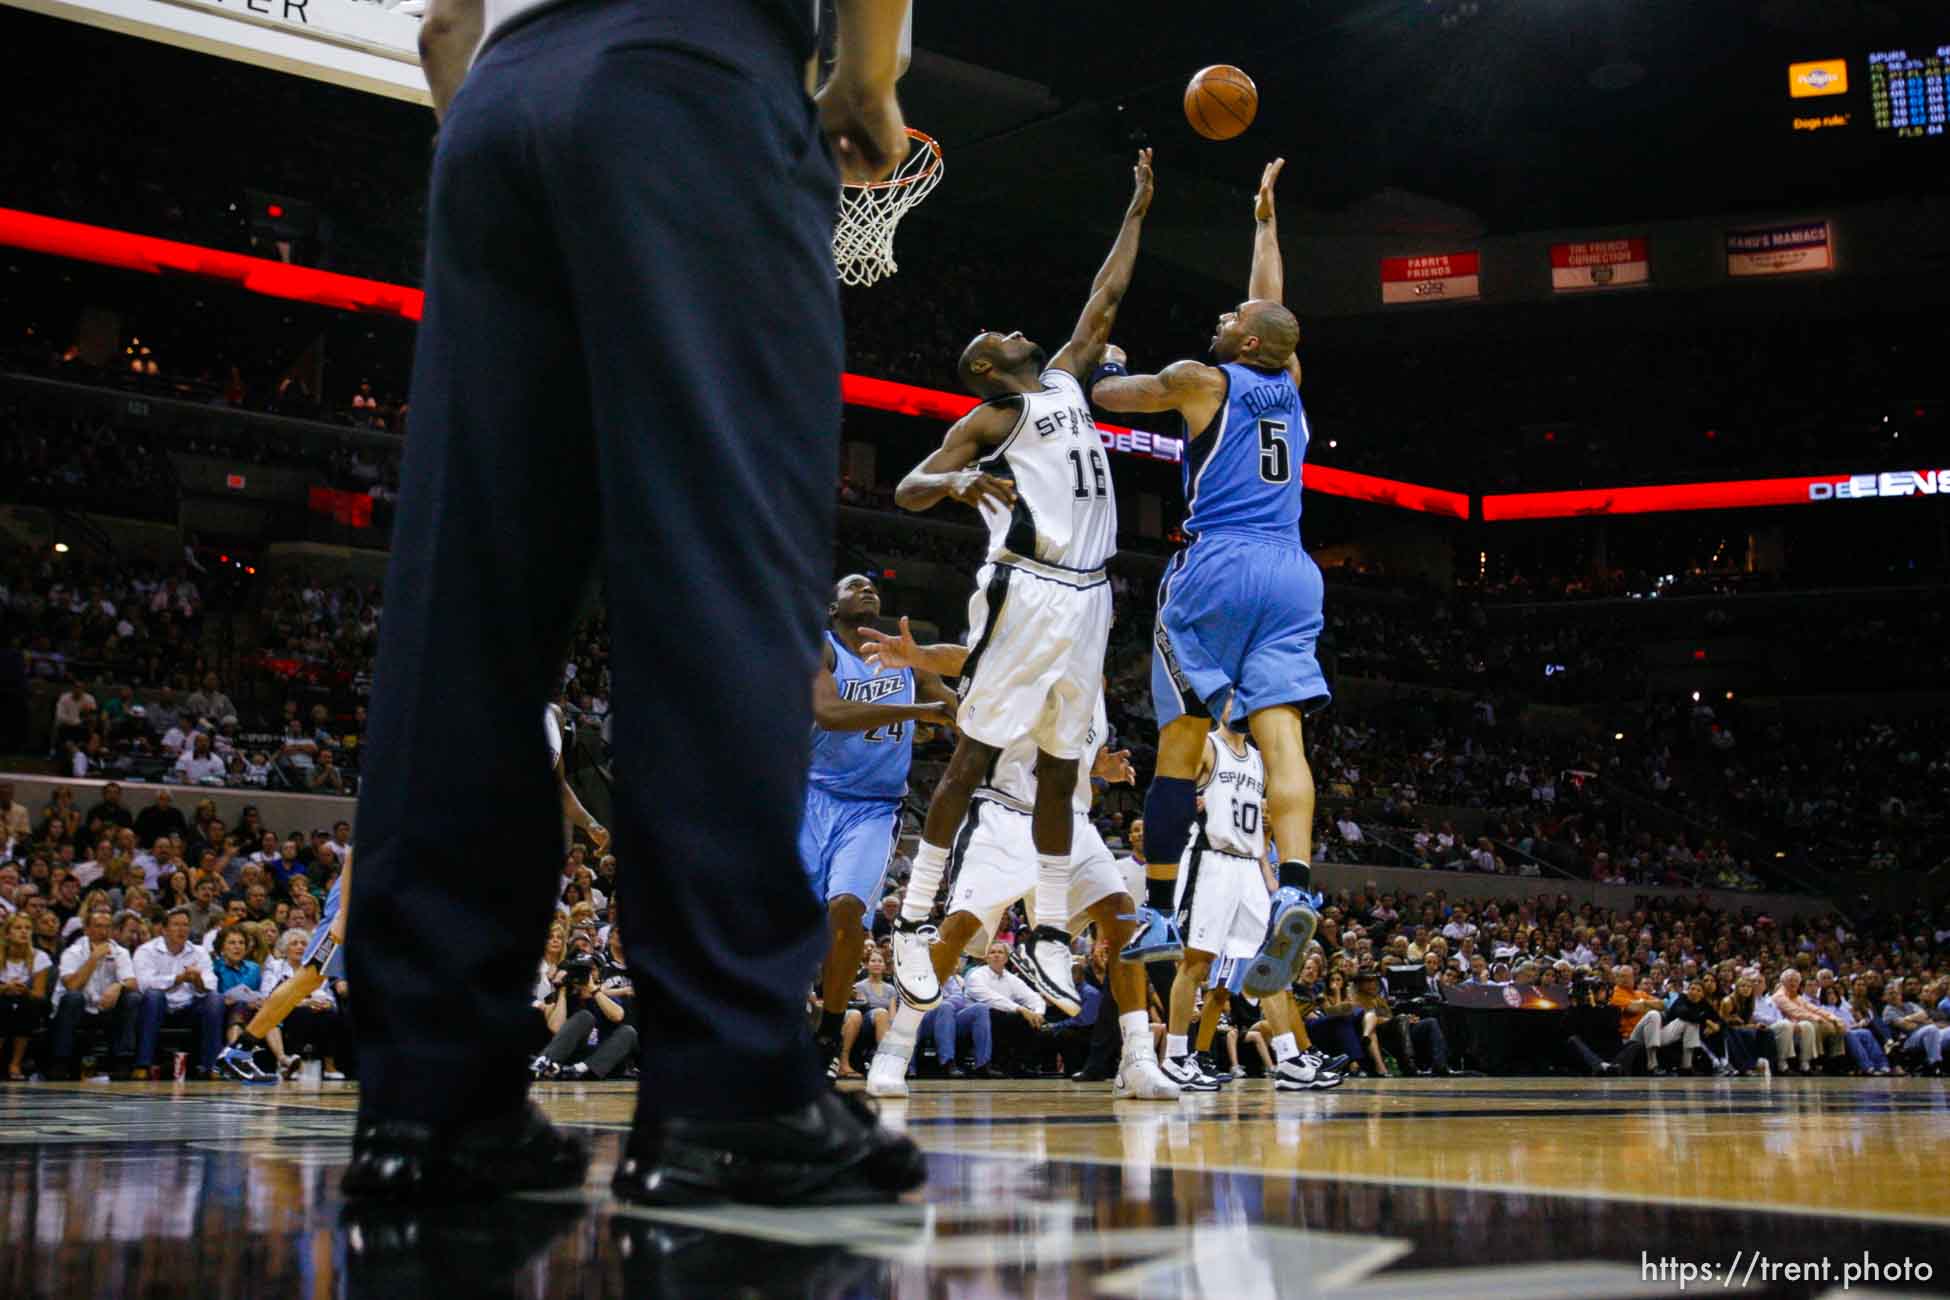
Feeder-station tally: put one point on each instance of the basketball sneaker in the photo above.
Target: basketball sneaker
(1185, 1072)
(1140, 1078)
(887, 1075)
(914, 964)
(1210, 1065)
(1295, 917)
(1042, 958)
(241, 1065)
(1157, 938)
(1307, 1071)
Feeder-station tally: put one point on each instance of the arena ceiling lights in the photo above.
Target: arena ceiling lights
(149, 255)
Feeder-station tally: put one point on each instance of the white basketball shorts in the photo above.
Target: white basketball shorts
(994, 863)
(1036, 640)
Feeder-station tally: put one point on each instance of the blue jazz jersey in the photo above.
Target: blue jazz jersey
(1239, 610)
(865, 764)
(853, 793)
(1242, 473)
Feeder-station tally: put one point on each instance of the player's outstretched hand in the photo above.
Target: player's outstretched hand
(1263, 201)
(884, 651)
(1114, 766)
(972, 487)
(1142, 183)
(864, 125)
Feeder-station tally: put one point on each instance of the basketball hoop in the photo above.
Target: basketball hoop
(863, 236)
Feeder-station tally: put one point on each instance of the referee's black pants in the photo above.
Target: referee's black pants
(629, 364)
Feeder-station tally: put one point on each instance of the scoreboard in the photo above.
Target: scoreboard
(1909, 94)
(1901, 93)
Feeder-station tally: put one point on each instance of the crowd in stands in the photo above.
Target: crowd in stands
(1673, 984)
(121, 923)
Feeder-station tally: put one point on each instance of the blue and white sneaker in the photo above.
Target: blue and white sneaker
(241, 1065)
(1157, 938)
(1295, 917)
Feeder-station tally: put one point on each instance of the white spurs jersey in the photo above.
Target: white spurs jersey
(1234, 820)
(1066, 510)
(1013, 779)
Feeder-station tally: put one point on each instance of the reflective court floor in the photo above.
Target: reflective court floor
(1427, 1188)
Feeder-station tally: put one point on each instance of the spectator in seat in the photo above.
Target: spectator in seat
(24, 980)
(1640, 1017)
(314, 1024)
(327, 776)
(111, 811)
(1745, 1045)
(96, 977)
(203, 907)
(160, 818)
(198, 765)
(209, 701)
(234, 968)
(955, 1018)
(1912, 1028)
(1863, 1049)
(178, 989)
(875, 996)
(1015, 1010)
(1793, 1007)
(1415, 1041)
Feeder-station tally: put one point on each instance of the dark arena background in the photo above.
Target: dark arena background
(1626, 340)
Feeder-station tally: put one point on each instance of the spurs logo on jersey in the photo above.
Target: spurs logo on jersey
(1235, 798)
(1065, 512)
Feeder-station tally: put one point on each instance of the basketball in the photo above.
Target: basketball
(1220, 101)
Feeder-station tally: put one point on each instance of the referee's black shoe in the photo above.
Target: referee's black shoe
(523, 1152)
(831, 1151)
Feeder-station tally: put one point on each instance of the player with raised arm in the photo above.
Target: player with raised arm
(864, 718)
(1239, 610)
(1031, 460)
(994, 864)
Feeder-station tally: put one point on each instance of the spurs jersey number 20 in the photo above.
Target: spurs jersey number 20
(1234, 820)
(1065, 512)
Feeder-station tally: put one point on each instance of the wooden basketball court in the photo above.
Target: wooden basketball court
(1479, 1187)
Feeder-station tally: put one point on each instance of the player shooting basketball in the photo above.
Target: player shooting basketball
(1239, 611)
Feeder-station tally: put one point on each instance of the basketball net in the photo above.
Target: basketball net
(863, 235)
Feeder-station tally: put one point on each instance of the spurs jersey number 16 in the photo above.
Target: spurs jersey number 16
(1065, 513)
(1234, 820)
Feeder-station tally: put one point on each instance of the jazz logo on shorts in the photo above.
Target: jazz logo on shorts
(1822, 77)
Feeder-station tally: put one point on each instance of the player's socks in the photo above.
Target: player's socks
(1053, 890)
(830, 1025)
(1176, 1045)
(930, 864)
(1295, 874)
(1284, 1048)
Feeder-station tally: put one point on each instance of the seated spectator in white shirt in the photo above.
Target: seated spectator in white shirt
(177, 987)
(1350, 830)
(175, 740)
(1015, 1010)
(198, 764)
(96, 977)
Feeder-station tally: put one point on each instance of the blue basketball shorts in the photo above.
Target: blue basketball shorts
(845, 845)
(1238, 615)
(323, 952)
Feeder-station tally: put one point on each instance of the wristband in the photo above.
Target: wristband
(1103, 371)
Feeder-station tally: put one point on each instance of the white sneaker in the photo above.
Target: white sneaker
(1042, 958)
(887, 1075)
(914, 964)
(1302, 1075)
(1185, 1072)
(1140, 1079)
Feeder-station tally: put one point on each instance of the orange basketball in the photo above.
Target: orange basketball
(1220, 101)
